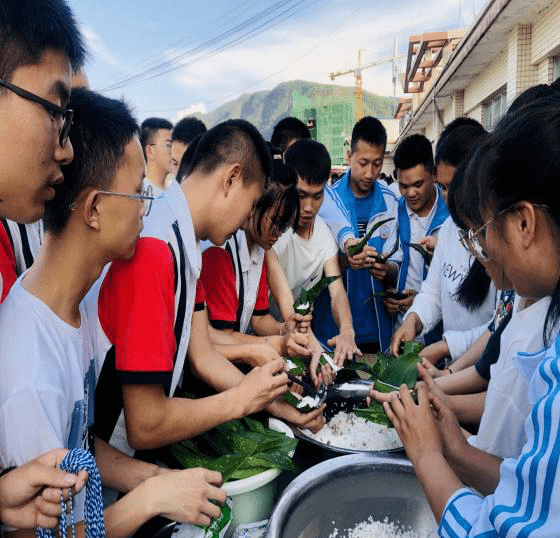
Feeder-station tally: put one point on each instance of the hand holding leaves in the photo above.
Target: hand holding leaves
(356, 249)
(306, 297)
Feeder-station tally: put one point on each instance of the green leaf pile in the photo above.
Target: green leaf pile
(358, 247)
(306, 297)
(237, 449)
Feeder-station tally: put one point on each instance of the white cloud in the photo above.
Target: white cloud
(97, 47)
(276, 55)
(189, 111)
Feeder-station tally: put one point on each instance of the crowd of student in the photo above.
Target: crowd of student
(140, 263)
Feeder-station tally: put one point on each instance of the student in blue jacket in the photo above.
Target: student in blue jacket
(368, 202)
(422, 211)
(513, 214)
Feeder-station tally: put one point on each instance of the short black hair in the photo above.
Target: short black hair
(281, 191)
(101, 130)
(414, 150)
(30, 27)
(311, 161)
(287, 130)
(454, 147)
(149, 128)
(232, 141)
(531, 94)
(186, 160)
(459, 121)
(187, 129)
(370, 130)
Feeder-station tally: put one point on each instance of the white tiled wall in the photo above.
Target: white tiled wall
(546, 33)
(486, 83)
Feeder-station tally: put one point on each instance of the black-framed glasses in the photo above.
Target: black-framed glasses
(146, 196)
(54, 110)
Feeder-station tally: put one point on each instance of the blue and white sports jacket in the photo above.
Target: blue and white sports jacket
(526, 502)
(440, 215)
(371, 321)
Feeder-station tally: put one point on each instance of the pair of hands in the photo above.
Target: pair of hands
(263, 387)
(394, 306)
(366, 260)
(30, 494)
(427, 428)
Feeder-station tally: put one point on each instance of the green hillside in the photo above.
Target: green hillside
(265, 108)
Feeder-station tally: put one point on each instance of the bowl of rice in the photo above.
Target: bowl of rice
(346, 433)
(355, 496)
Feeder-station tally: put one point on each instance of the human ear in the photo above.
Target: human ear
(91, 210)
(525, 222)
(348, 156)
(232, 177)
(149, 152)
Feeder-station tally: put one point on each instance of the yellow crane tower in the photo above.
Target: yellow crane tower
(357, 72)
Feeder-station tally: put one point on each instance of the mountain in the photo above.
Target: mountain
(265, 108)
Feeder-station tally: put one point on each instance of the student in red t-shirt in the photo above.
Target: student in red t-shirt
(146, 303)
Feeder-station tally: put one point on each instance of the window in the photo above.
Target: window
(555, 67)
(494, 108)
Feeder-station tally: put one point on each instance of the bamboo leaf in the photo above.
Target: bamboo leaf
(421, 250)
(412, 346)
(357, 248)
(401, 370)
(359, 367)
(382, 258)
(306, 297)
(375, 413)
(381, 364)
(296, 365)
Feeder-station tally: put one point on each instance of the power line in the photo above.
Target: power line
(154, 59)
(218, 43)
(339, 27)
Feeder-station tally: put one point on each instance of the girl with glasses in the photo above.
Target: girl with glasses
(517, 169)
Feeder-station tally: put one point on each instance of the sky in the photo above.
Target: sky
(169, 58)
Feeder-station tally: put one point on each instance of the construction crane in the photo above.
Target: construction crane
(357, 72)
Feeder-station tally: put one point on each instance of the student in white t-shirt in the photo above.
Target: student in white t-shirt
(310, 252)
(46, 347)
(41, 46)
(155, 138)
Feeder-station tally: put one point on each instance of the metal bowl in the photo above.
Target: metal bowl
(310, 451)
(341, 492)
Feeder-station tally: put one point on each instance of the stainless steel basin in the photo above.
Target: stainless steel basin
(341, 492)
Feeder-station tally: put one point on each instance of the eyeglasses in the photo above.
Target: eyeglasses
(147, 197)
(275, 229)
(473, 240)
(54, 110)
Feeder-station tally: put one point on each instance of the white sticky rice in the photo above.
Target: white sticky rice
(378, 529)
(346, 430)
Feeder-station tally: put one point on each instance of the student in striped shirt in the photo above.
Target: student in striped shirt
(514, 220)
